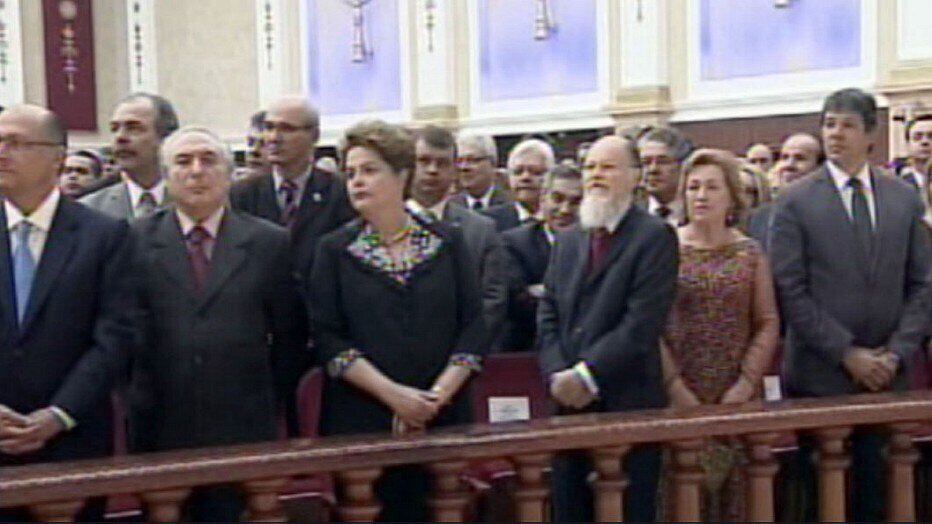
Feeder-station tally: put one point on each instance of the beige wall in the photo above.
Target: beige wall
(207, 61)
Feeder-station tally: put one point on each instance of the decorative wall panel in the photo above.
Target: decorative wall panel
(69, 62)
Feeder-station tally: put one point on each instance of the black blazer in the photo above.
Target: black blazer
(613, 319)
(208, 363)
(499, 197)
(407, 331)
(77, 333)
(758, 224)
(504, 215)
(832, 297)
(528, 252)
(323, 208)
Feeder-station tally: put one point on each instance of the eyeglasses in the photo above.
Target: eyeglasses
(13, 143)
(471, 160)
(284, 127)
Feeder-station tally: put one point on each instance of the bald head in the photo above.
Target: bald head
(800, 154)
(612, 167)
(31, 155)
(291, 129)
(49, 127)
(297, 106)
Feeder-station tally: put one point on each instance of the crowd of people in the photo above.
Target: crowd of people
(644, 272)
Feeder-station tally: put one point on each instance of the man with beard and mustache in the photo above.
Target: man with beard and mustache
(662, 150)
(528, 162)
(528, 251)
(607, 293)
(139, 124)
(851, 262)
(801, 154)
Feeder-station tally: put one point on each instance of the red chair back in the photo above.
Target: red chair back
(510, 375)
(310, 391)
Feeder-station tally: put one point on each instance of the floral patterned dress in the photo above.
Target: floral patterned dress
(713, 326)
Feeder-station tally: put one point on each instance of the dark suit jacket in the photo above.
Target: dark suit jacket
(504, 215)
(208, 363)
(499, 197)
(407, 331)
(831, 296)
(527, 253)
(758, 224)
(612, 319)
(488, 258)
(77, 333)
(323, 208)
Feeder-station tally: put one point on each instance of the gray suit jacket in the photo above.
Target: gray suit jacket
(488, 256)
(113, 201)
(833, 296)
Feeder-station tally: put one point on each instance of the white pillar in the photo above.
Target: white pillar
(435, 57)
(12, 86)
(270, 50)
(141, 48)
(643, 26)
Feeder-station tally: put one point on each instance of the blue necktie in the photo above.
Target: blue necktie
(24, 269)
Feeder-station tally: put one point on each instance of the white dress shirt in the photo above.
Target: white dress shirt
(485, 200)
(135, 193)
(40, 219)
(300, 182)
(437, 209)
(211, 224)
(847, 193)
(675, 207)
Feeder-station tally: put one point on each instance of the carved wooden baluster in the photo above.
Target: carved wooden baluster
(761, 471)
(833, 462)
(532, 491)
(359, 502)
(610, 486)
(687, 478)
(56, 511)
(262, 500)
(902, 457)
(165, 506)
(449, 500)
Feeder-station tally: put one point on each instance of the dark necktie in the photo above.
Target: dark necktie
(289, 192)
(477, 205)
(663, 211)
(146, 205)
(860, 215)
(197, 255)
(599, 241)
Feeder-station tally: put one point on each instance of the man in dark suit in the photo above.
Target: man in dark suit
(219, 317)
(309, 202)
(528, 252)
(139, 124)
(434, 174)
(919, 149)
(476, 158)
(851, 262)
(528, 162)
(65, 331)
(607, 292)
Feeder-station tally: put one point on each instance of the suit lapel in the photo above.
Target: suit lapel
(579, 252)
(170, 251)
(228, 255)
(619, 239)
(267, 202)
(884, 218)
(838, 219)
(120, 200)
(59, 245)
(315, 196)
(7, 314)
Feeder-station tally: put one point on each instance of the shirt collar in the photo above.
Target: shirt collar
(653, 204)
(523, 214)
(486, 199)
(40, 219)
(437, 209)
(211, 224)
(300, 181)
(549, 233)
(136, 191)
(841, 178)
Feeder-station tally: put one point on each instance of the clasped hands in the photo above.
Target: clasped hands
(21, 434)
(569, 390)
(413, 408)
(872, 368)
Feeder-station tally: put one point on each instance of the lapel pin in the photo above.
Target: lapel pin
(317, 198)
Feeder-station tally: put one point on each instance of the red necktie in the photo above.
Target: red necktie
(599, 241)
(197, 256)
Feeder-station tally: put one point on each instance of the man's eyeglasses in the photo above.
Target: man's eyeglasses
(284, 127)
(13, 143)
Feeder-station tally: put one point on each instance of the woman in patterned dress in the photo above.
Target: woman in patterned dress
(724, 328)
(395, 312)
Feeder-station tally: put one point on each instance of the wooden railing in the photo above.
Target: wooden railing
(55, 492)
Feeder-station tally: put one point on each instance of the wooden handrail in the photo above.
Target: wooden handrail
(50, 483)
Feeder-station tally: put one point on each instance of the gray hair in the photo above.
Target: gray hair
(171, 142)
(485, 143)
(535, 146)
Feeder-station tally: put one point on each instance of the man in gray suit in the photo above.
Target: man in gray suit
(139, 124)
(851, 262)
(219, 317)
(435, 172)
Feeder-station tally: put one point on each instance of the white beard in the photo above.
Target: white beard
(600, 210)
